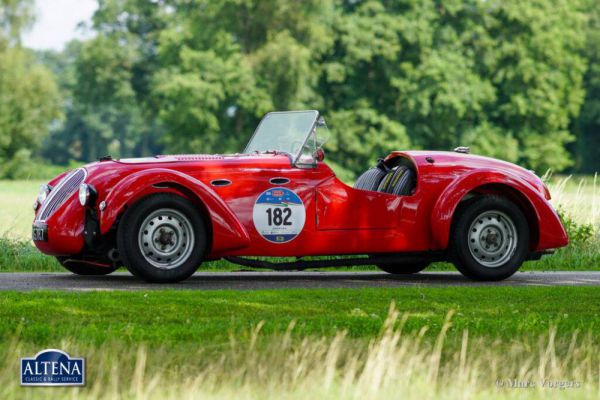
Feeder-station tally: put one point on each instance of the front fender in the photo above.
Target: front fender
(551, 234)
(227, 231)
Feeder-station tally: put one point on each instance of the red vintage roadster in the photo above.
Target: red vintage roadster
(162, 216)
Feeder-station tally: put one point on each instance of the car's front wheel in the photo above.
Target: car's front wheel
(162, 238)
(489, 238)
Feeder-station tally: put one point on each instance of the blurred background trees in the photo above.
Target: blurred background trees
(512, 79)
(29, 97)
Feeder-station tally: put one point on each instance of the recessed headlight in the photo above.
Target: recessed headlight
(43, 193)
(86, 194)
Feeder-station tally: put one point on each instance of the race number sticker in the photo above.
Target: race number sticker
(279, 215)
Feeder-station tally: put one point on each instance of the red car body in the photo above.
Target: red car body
(339, 219)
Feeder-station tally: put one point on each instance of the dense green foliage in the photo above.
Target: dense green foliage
(587, 127)
(507, 78)
(388, 74)
(29, 99)
(15, 15)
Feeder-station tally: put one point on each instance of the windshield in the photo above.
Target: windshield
(287, 131)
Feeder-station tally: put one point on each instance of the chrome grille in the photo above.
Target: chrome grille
(67, 186)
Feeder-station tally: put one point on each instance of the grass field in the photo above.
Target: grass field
(444, 342)
(156, 318)
(16, 213)
(579, 196)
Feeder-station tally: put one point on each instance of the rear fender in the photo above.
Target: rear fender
(550, 235)
(227, 231)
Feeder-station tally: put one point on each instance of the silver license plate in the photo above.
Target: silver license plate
(39, 233)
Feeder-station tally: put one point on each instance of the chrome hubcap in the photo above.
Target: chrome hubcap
(166, 238)
(492, 238)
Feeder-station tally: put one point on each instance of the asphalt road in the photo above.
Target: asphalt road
(277, 280)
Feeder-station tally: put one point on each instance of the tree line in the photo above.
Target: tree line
(517, 80)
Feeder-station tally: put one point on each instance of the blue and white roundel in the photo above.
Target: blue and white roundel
(279, 215)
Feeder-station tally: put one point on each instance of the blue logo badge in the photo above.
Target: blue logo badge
(52, 367)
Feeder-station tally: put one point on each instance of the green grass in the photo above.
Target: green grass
(579, 196)
(16, 207)
(309, 343)
(21, 256)
(180, 317)
(574, 257)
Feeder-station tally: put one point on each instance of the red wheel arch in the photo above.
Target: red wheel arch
(547, 230)
(227, 231)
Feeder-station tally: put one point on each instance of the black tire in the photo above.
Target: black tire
(402, 182)
(494, 222)
(404, 269)
(145, 263)
(370, 179)
(82, 268)
(384, 184)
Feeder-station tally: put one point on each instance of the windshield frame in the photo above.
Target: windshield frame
(293, 157)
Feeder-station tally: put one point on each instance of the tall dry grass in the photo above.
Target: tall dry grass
(392, 365)
(578, 196)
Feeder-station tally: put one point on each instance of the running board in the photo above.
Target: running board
(336, 262)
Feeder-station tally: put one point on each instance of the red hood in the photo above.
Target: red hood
(222, 158)
(194, 161)
(105, 174)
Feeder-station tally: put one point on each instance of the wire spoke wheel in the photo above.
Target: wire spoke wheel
(166, 238)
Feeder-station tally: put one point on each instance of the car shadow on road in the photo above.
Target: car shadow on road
(251, 280)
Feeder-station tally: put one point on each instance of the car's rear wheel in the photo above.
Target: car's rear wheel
(84, 268)
(489, 238)
(162, 238)
(404, 269)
